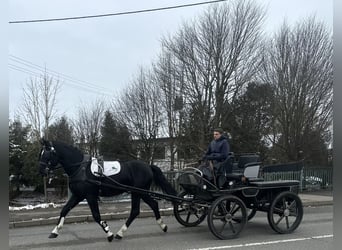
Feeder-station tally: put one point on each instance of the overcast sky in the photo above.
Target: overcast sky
(105, 53)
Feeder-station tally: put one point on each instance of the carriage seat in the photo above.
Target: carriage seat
(251, 172)
(243, 161)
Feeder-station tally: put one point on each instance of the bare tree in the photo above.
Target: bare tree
(88, 126)
(139, 109)
(39, 103)
(169, 78)
(39, 107)
(219, 56)
(298, 64)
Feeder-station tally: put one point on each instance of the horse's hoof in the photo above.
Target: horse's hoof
(110, 238)
(118, 237)
(165, 229)
(53, 235)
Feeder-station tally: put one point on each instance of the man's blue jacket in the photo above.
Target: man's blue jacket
(218, 150)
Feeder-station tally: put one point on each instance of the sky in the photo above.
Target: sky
(97, 58)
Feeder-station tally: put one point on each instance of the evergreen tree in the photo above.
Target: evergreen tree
(62, 131)
(115, 143)
(18, 142)
(30, 176)
(250, 119)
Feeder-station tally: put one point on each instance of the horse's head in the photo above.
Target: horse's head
(48, 159)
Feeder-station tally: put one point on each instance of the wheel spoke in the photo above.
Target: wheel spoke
(232, 227)
(284, 203)
(280, 218)
(223, 208)
(278, 210)
(181, 210)
(293, 213)
(287, 222)
(293, 204)
(235, 210)
(223, 225)
(188, 217)
(218, 217)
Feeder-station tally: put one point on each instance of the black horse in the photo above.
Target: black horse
(133, 173)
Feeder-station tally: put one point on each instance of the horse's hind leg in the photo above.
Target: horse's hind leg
(135, 210)
(72, 202)
(94, 207)
(155, 207)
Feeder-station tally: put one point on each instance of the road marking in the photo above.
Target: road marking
(265, 243)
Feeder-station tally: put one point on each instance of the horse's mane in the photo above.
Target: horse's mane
(68, 146)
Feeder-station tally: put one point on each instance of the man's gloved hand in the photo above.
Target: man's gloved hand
(213, 156)
(244, 179)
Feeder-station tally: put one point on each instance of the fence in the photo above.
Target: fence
(310, 178)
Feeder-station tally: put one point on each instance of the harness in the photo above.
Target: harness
(80, 173)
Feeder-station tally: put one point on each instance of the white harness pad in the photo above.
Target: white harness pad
(109, 167)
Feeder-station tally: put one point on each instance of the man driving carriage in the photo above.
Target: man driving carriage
(216, 159)
(217, 152)
(218, 148)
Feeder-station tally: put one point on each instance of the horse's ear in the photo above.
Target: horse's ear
(44, 142)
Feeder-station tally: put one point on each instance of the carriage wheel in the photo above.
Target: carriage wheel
(227, 217)
(187, 213)
(286, 213)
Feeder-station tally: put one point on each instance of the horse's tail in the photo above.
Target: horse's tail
(162, 182)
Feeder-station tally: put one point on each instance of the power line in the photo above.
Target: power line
(69, 82)
(23, 70)
(55, 73)
(31, 73)
(116, 14)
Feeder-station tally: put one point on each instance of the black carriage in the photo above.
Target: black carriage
(228, 208)
(228, 203)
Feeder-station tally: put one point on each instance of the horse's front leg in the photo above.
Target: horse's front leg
(72, 202)
(94, 207)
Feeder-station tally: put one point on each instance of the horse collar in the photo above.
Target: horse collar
(80, 174)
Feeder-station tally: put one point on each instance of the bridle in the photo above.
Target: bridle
(49, 169)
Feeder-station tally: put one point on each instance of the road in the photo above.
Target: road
(314, 233)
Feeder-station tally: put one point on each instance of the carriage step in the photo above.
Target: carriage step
(282, 183)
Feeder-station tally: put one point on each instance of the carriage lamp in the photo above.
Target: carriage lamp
(231, 183)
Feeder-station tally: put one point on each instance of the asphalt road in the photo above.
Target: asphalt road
(314, 233)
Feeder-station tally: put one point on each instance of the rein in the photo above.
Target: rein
(81, 165)
(82, 162)
(71, 165)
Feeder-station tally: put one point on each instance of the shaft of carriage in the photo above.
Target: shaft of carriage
(127, 188)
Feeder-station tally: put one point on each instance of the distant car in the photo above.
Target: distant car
(313, 182)
(313, 179)
(13, 177)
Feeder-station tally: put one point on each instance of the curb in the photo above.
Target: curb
(85, 218)
(123, 215)
(318, 203)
